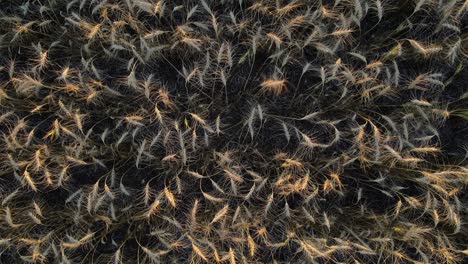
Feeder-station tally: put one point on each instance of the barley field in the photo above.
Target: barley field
(233, 131)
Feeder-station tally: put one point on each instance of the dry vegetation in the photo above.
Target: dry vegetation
(233, 131)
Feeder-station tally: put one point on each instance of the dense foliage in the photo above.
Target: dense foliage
(233, 131)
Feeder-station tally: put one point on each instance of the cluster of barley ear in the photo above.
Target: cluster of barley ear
(179, 131)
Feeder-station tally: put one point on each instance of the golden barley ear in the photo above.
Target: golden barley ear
(170, 197)
(274, 86)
